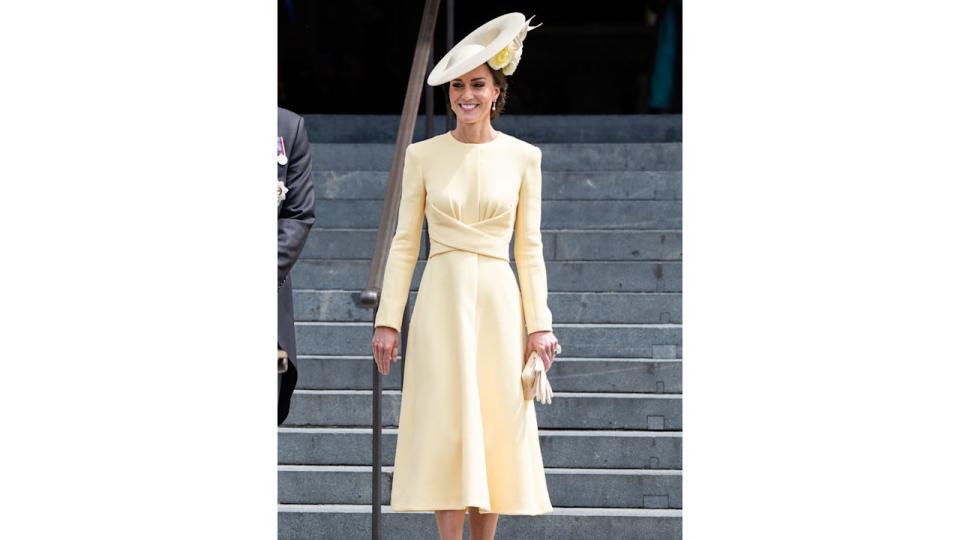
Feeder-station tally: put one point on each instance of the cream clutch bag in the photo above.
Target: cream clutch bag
(534, 379)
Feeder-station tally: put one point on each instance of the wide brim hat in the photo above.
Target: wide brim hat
(502, 38)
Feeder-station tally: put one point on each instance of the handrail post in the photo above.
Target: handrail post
(375, 451)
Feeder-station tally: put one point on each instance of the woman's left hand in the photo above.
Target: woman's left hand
(546, 345)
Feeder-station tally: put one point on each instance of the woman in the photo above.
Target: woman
(467, 438)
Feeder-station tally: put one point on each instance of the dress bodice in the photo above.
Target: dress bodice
(474, 197)
(471, 197)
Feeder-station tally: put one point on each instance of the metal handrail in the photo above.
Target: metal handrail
(411, 102)
(370, 296)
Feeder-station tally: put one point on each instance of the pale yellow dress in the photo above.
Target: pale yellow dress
(466, 435)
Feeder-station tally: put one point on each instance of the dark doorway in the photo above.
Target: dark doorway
(600, 58)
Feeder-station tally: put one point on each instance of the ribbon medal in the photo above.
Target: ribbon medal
(281, 152)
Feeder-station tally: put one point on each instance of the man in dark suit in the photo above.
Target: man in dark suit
(294, 219)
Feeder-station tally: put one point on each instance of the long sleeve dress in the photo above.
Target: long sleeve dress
(466, 435)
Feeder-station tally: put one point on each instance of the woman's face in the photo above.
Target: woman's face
(473, 94)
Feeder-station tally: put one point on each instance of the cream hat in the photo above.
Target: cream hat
(499, 43)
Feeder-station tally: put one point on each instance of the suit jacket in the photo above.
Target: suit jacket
(295, 216)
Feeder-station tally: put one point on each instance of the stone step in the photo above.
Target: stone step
(567, 307)
(660, 341)
(341, 373)
(382, 128)
(616, 307)
(562, 276)
(556, 156)
(557, 245)
(569, 410)
(342, 522)
(560, 448)
(566, 375)
(605, 488)
(557, 185)
(588, 215)
(329, 305)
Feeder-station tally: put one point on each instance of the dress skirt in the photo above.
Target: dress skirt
(466, 435)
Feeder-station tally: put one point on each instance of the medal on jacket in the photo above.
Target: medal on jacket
(281, 151)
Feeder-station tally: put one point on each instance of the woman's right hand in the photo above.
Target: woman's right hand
(385, 347)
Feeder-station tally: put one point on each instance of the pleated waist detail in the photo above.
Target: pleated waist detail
(450, 234)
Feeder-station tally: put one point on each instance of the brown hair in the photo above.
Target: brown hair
(500, 81)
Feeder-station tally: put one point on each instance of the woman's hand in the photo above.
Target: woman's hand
(385, 347)
(546, 345)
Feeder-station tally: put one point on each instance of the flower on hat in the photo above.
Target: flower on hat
(503, 58)
(514, 62)
(509, 57)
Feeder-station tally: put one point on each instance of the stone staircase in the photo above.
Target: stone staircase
(612, 438)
